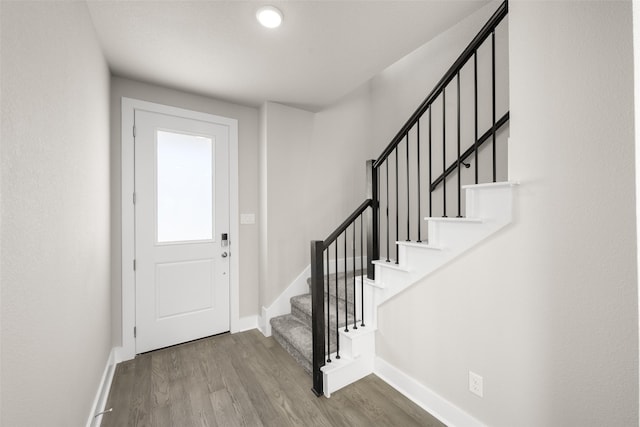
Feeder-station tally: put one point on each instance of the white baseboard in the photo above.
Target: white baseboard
(246, 323)
(102, 393)
(262, 320)
(282, 305)
(424, 397)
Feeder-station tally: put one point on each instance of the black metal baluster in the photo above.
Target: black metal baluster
(361, 266)
(337, 311)
(328, 308)
(430, 167)
(493, 96)
(397, 207)
(346, 280)
(408, 193)
(353, 264)
(459, 175)
(373, 242)
(418, 175)
(444, 153)
(475, 103)
(386, 162)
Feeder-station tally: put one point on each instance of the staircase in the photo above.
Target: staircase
(293, 331)
(488, 209)
(395, 235)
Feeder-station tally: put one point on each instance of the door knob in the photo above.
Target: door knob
(224, 254)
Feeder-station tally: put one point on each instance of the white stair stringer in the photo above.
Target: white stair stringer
(357, 359)
(489, 208)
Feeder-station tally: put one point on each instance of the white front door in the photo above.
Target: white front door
(181, 229)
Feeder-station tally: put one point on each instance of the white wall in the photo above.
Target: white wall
(399, 89)
(318, 160)
(341, 138)
(312, 176)
(547, 310)
(636, 81)
(248, 183)
(284, 174)
(56, 332)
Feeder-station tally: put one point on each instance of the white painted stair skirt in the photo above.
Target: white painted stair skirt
(489, 207)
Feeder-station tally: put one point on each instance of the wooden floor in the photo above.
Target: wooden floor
(244, 379)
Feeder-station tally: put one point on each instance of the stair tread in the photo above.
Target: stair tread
(330, 286)
(332, 275)
(303, 303)
(296, 332)
(421, 245)
(491, 185)
(295, 336)
(391, 264)
(452, 219)
(343, 294)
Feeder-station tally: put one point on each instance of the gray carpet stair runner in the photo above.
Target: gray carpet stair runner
(293, 331)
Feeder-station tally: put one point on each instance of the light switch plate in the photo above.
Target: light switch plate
(247, 218)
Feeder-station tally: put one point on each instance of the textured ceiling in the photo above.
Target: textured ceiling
(323, 50)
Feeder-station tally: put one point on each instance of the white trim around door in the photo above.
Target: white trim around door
(129, 105)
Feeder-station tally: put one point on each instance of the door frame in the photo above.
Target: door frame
(129, 105)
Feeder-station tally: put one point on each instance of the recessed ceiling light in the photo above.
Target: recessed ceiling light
(269, 16)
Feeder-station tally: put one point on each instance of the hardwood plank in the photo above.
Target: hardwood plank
(224, 410)
(269, 400)
(208, 356)
(120, 395)
(341, 411)
(201, 406)
(384, 390)
(378, 409)
(332, 412)
(160, 416)
(180, 412)
(290, 379)
(245, 379)
(141, 393)
(237, 394)
(160, 368)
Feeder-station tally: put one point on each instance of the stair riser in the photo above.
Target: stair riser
(292, 350)
(299, 349)
(303, 312)
(306, 318)
(341, 285)
(345, 295)
(490, 209)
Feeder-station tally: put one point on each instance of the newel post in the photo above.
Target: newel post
(317, 314)
(373, 241)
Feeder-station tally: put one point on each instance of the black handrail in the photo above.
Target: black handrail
(347, 222)
(471, 150)
(485, 32)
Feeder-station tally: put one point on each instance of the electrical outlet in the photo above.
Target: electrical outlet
(475, 384)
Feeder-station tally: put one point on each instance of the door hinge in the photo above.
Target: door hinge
(134, 198)
(134, 332)
(134, 265)
(134, 131)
